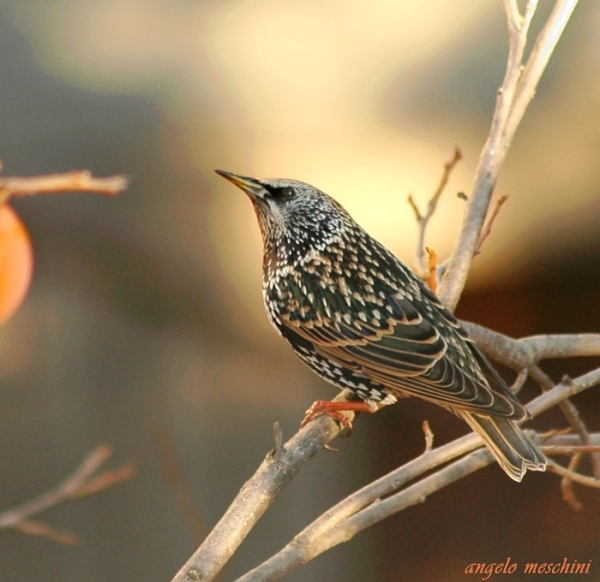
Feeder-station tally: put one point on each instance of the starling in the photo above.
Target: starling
(362, 320)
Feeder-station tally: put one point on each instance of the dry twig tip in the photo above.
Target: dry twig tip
(76, 181)
(487, 229)
(431, 269)
(428, 436)
(423, 219)
(81, 482)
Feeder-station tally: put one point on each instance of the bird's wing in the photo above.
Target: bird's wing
(405, 351)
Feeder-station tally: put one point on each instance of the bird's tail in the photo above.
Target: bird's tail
(513, 450)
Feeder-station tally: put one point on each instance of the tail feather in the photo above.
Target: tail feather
(513, 450)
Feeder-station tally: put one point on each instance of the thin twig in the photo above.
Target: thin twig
(174, 476)
(105, 480)
(566, 484)
(562, 438)
(423, 220)
(70, 488)
(278, 438)
(415, 208)
(566, 450)
(428, 436)
(431, 269)
(570, 412)
(573, 476)
(538, 59)
(520, 381)
(39, 529)
(561, 391)
(76, 181)
(487, 229)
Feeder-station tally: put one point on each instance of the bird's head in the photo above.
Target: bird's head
(294, 217)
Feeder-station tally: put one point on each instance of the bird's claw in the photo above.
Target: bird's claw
(335, 411)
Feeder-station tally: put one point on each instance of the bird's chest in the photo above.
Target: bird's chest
(291, 298)
(322, 290)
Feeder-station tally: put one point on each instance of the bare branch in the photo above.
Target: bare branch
(275, 473)
(564, 346)
(562, 391)
(174, 476)
(556, 450)
(487, 229)
(317, 537)
(77, 181)
(567, 440)
(360, 509)
(520, 381)
(415, 208)
(540, 55)
(81, 482)
(513, 17)
(423, 220)
(571, 414)
(36, 528)
(566, 484)
(256, 496)
(573, 476)
(527, 351)
(278, 438)
(518, 88)
(370, 504)
(569, 475)
(105, 480)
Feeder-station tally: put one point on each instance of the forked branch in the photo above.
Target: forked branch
(379, 499)
(518, 88)
(422, 266)
(84, 481)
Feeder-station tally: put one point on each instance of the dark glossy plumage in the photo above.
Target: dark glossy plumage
(362, 320)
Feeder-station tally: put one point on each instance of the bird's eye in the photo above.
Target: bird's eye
(287, 193)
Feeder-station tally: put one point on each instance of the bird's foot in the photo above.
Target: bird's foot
(334, 410)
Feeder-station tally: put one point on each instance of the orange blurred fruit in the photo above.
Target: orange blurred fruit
(16, 262)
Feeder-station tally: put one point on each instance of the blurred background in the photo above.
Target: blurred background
(144, 326)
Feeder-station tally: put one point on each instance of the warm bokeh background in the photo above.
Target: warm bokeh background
(145, 325)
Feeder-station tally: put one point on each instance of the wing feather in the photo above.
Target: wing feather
(406, 352)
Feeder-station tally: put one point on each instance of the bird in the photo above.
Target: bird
(363, 321)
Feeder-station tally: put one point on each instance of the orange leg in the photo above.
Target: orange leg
(333, 410)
